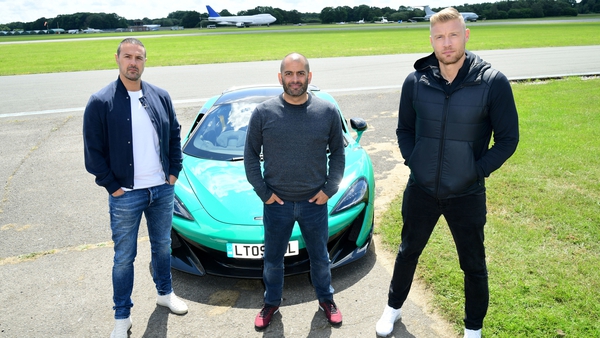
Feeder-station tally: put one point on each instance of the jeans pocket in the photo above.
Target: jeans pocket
(120, 196)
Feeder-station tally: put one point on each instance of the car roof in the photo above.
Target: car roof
(237, 93)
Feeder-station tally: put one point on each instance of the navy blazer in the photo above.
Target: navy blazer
(107, 134)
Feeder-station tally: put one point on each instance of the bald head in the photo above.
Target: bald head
(295, 57)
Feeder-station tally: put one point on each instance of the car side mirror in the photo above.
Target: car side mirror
(359, 125)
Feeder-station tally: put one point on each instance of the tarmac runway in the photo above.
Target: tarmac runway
(55, 249)
(192, 85)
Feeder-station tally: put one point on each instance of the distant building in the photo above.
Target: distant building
(152, 27)
(138, 26)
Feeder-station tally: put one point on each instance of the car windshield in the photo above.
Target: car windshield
(221, 134)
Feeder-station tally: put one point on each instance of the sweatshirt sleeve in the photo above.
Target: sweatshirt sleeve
(505, 125)
(252, 152)
(405, 132)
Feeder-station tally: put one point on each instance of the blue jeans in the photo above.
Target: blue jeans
(466, 217)
(279, 222)
(126, 211)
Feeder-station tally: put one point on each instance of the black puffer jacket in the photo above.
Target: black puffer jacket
(444, 133)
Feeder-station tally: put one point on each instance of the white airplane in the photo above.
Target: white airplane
(240, 21)
(361, 21)
(468, 16)
(383, 20)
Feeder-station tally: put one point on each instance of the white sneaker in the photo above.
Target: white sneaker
(385, 325)
(472, 333)
(122, 326)
(176, 305)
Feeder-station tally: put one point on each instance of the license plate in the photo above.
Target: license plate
(256, 251)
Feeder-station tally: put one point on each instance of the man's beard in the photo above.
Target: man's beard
(295, 92)
(133, 76)
(457, 56)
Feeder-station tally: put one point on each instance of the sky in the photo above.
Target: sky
(28, 10)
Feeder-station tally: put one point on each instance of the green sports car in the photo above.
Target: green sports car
(217, 222)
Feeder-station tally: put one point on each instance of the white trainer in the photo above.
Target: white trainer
(472, 333)
(122, 326)
(385, 324)
(176, 305)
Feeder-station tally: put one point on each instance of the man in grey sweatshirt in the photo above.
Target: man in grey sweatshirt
(294, 132)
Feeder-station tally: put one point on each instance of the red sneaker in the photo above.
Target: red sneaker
(333, 314)
(263, 318)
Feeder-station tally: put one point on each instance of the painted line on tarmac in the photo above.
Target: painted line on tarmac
(182, 102)
(43, 112)
(341, 90)
(81, 109)
(362, 89)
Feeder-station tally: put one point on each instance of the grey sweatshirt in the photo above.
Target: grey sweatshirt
(294, 141)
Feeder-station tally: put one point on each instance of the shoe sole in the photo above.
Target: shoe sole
(175, 312)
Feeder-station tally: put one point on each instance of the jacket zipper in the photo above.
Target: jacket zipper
(438, 175)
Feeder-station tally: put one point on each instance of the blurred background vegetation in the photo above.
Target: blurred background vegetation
(194, 19)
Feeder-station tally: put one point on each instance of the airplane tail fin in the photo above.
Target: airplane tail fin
(427, 9)
(211, 12)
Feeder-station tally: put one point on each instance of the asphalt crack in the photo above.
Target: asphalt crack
(7, 185)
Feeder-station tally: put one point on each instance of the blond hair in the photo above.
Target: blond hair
(445, 15)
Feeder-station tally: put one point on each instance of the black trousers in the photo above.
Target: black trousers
(466, 217)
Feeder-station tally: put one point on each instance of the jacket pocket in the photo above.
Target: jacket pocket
(423, 162)
(458, 168)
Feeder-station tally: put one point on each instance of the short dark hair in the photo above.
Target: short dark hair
(132, 41)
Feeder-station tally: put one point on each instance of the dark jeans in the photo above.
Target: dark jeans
(466, 217)
(279, 222)
(126, 211)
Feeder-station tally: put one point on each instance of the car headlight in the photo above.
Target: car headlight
(180, 210)
(357, 193)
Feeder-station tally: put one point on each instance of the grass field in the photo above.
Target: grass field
(542, 235)
(69, 54)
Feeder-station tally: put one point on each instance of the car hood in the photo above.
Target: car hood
(223, 190)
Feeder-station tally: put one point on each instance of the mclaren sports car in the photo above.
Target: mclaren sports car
(217, 222)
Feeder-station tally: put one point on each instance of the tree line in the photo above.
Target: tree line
(192, 19)
(519, 9)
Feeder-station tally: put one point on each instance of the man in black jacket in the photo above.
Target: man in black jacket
(450, 107)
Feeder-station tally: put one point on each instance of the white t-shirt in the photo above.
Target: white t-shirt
(147, 168)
